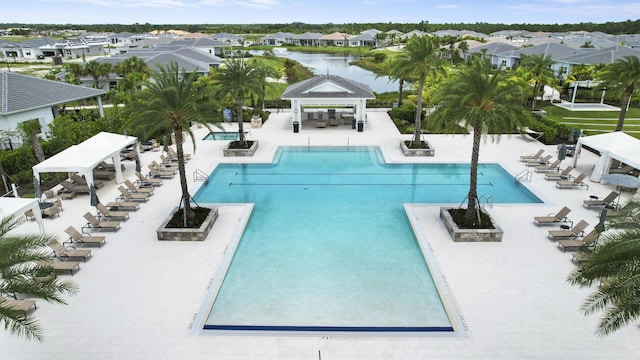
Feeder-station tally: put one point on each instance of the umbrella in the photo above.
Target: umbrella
(572, 136)
(36, 187)
(93, 197)
(562, 152)
(137, 160)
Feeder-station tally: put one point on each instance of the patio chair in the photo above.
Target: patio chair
(560, 175)
(62, 266)
(537, 162)
(166, 163)
(132, 188)
(594, 201)
(574, 244)
(22, 305)
(30, 215)
(576, 231)
(173, 155)
(80, 180)
(551, 167)
(560, 216)
(63, 253)
(76, 188)
(165, 167)
(537, 155)
(127, 195)
(104, 175)
(76, 236)
(563, 184)
(160, 174)
(95, 223)
(52, 211)
(147, 181)
(123, 205)
(535, 135)
(104, 212)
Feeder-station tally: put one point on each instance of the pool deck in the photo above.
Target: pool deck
(139, 296)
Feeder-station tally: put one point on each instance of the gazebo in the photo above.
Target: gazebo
(328, 99)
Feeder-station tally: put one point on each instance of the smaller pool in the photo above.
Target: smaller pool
(222, 135)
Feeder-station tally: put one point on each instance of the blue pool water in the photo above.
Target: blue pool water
(329, 246)
(222, 135)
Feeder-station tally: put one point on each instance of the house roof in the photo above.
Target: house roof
(494, 48)
(555, 51)
(603, 56)
(21, 92)
(328, 86)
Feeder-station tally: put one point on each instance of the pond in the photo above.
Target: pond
(337, 64)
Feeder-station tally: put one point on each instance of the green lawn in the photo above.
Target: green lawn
(596, 122)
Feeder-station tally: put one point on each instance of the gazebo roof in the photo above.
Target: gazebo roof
(328, 86)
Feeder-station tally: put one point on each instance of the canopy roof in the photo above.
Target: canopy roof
(11, 206)
(616, 145)
(84, 157)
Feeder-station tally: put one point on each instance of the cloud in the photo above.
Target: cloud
(448, 6)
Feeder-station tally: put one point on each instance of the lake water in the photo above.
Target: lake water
(337, 64)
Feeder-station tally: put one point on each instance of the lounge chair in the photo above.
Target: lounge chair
(76, 188)
(560, 175)
(573, 183)
(579, 257)
(23, 305)
(537, 155)
(95, 223)
(600, 202)
(104, 174)
(537, 162)
(109, 167)
(147, 181)
(160, 174)
(535, 135)
(173, 155)
(551, 167)
(154, 145)
(80, 180)
(165, 167)
(76, 236)
(123, 205)
(104, 212)
(134, 189)
(127, 195)
(574, 244)
(576, 231)
(622, 170)
(560, 216)
(63, 266)
(51, 211)
(63, 253)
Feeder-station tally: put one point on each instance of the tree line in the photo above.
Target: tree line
(611, 27)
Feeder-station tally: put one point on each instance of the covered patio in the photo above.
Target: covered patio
(328, 100)
(86, 156)
(615, 148)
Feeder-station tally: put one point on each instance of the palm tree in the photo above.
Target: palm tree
(74, 72)
(238, 79)
(95, 69)
(623, 74)
(416, 62)
(170, 102)
(614, 263)
(22, 272)
(482, 99)
(31, 129)
(264, 71)
(540, 67)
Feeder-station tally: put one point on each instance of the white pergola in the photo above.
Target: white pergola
(12, 206)
(84, 157)
(612, 146)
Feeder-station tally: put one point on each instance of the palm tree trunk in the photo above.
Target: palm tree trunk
(533, 101)
(400, 86)
(623, 109)
(243, 141)
(37, 149)
(417, 132)
(472, 204)
(186, 198)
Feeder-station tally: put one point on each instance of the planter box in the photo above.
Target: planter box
(469, 235)
(182, 234)
(240, 152)
(428, 151)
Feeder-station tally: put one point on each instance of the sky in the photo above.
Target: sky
(159, 12)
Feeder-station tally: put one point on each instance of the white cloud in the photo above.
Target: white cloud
(448, 6)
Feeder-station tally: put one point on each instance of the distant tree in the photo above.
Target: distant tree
(74, 72)
(96, 70)
(587, 45)
(622, 75)
(31, 129)
(539, 66)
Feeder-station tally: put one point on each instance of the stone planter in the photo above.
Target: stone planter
(182, 234)
(428, 151)
(240, 152)
(470, 235)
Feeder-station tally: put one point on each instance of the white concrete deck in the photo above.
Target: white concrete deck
(139, 297)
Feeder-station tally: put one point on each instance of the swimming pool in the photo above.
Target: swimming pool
(329, 246)
(222, 135)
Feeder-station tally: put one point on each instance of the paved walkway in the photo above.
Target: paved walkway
(139, 297)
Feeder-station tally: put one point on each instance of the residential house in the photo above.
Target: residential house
(307, 39)
(278, 39)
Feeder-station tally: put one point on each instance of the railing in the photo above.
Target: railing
(487, 201)
(524, 174)
(200, 175)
